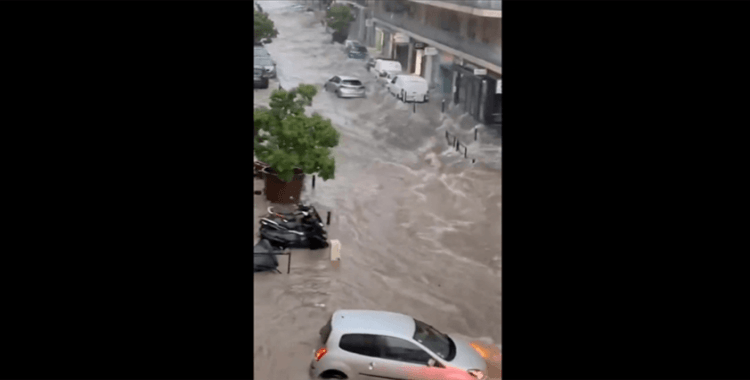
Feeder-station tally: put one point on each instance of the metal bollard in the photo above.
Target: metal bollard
(443, 106)
(458, 145)
(289, 262)
(473, 160)
(313, 182)
(475, 133)
(328, 219)
(415, 107)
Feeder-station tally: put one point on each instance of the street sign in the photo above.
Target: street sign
(430, 51)
(480, 71)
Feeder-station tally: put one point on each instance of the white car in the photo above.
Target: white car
(366, 344)
(409, 88)
(345, 87)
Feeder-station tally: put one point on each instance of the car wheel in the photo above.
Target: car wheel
(338, 93)
(332, 374)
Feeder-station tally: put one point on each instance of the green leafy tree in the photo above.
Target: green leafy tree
(263, 27)
(292, 139)
(339, 17)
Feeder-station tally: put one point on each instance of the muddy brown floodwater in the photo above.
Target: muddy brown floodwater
(420, 225)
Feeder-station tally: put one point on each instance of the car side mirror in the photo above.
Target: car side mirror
(431, 362)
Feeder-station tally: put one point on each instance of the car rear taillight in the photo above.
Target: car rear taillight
(320, 353)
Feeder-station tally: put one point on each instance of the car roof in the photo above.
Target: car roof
(374, 322)
(348, 78)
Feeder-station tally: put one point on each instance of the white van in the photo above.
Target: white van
(409, 88)
(383, 67)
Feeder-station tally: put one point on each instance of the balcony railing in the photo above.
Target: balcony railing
(489, 52)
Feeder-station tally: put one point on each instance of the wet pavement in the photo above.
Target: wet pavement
(419, 224)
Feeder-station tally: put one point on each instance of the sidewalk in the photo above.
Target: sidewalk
(459, 123)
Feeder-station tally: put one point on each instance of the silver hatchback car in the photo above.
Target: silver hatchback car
(365, 344)
(345, 87)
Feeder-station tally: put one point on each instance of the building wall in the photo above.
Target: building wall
(448, 75)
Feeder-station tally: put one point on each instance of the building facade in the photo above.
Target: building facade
(455, 44)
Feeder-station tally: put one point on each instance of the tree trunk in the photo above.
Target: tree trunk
(278, 191)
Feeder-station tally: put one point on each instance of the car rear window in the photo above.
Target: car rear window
(353, 82)
(362, 344)
(361, 49)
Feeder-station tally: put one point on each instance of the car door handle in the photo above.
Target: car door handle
(372, 365)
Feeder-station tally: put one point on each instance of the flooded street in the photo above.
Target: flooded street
(419, 224)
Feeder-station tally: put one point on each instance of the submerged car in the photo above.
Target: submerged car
(383, 345)
(345, 87)
(260, 78)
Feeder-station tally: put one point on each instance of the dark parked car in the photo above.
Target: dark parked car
(357, 52)
(260, 78)
(268, 65)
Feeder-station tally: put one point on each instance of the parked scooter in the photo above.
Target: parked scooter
(294, 239)
(302, 211)
(264, 257)
(302, 228)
